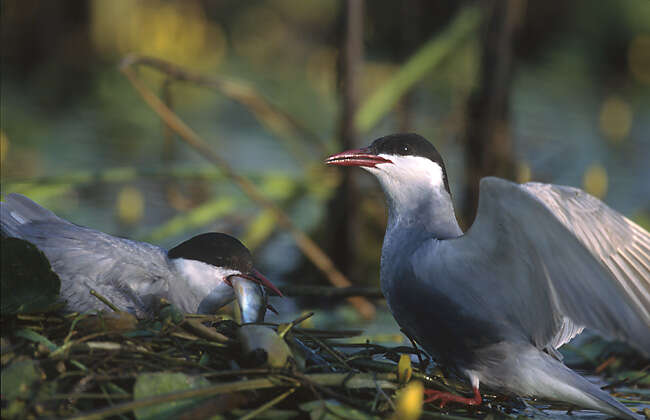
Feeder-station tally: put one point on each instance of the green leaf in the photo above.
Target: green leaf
(427, 58)
(28, 283)
(278, 186)
(260, 229)
(17, 379)
(197, 217)
(205, 359)
(151, 384)
(32, 335)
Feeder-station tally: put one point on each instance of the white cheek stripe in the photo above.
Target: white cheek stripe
(410, 169)
(201, 276)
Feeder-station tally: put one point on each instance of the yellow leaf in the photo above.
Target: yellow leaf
(404, 369)
(283, 328)
(409, 402)
(307, 323)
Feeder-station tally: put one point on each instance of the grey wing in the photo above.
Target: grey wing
(577, 263)
(120, 269)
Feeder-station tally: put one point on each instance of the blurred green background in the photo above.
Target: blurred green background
(77, 138)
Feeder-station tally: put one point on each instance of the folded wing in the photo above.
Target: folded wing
(121, 269)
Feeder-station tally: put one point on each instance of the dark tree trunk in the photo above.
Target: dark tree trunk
(488, 146)
(344, 215)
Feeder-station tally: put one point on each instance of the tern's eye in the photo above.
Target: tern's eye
(405, 149)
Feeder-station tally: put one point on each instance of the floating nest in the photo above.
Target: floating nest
(112, 365)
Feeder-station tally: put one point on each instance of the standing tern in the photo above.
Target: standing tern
(197, 275)
(540, 263)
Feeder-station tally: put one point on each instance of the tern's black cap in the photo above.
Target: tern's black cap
(408, 144)
(217, 249)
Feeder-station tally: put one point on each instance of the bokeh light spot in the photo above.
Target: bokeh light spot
(595, 180)
(130, 205)
(638, 55)
(4, 146)
(178, 32)
(615, 118)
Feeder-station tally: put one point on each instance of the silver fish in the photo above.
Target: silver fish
(252, 299)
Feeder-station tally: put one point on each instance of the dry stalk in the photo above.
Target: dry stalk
(309, 248)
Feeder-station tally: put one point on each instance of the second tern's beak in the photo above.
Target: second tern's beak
(259, 278)
(356, 157)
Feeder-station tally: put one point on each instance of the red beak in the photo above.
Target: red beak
(356, 157)
(259, 278)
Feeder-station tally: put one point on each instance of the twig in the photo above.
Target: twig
(65, 347)
(322, 379)
(389, 367)
(271, 116)
(417, 351)
(205, 332)
(239, 372)
(388, 399)
(86, 396)
(320, 388)
(268, 405)
(306, 245)
(287, 327)
(336, 355)
(311, 355)
(104, 300)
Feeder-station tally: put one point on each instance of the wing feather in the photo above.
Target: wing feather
(588, 264)
(608, 235)
(86, 258)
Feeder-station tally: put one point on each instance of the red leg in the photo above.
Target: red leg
(445, 397)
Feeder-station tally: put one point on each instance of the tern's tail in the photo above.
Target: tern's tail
(537, 374)
(18, 211)
(600, 399)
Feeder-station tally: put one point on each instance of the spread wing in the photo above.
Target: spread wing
(120, 269)
(552, 260)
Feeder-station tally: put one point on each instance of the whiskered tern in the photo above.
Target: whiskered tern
(540, 263)
(197, 275)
